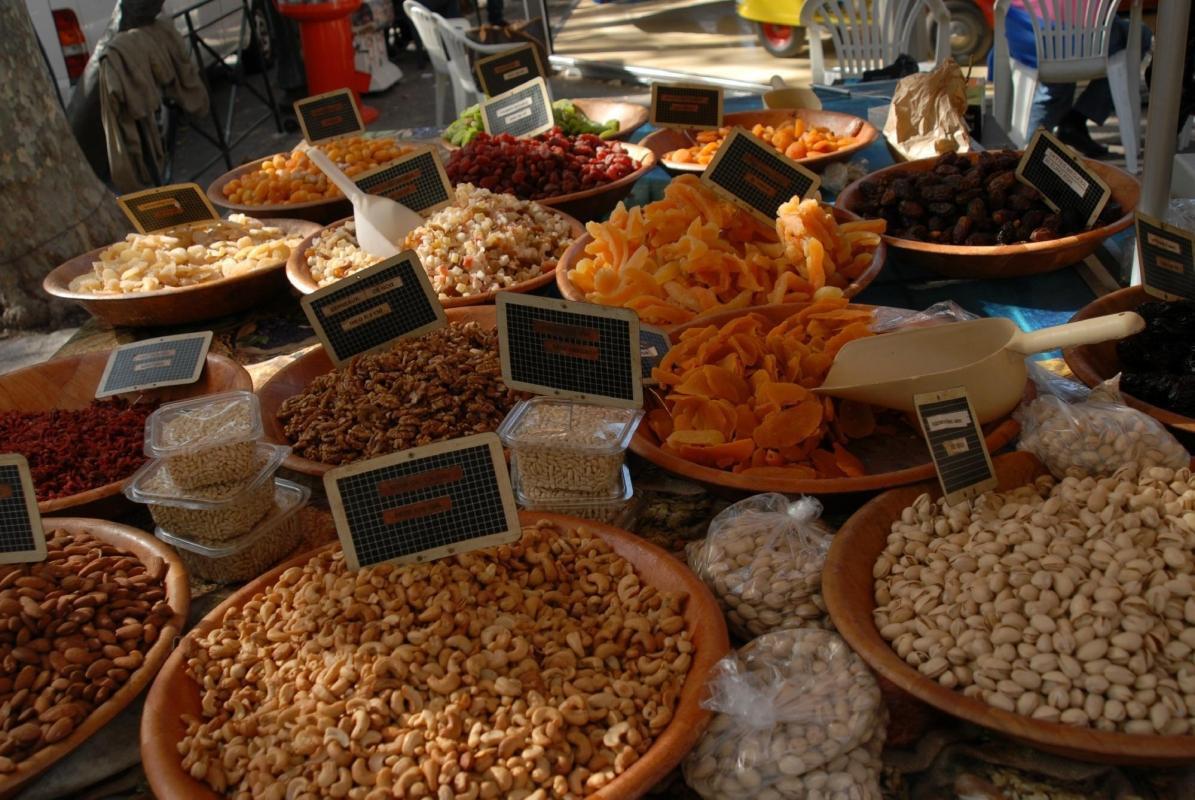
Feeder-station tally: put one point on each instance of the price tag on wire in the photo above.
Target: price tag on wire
(167, 207)
(370, 309)
(504, 71)
(523, 111)
(423, 504)
(678, 105)
(416, 180)
(329, 115)
(654, 344)
(756, 177)
(22, 539)
(1062, 177)
(570, 350)
(956, 443)
(1167, 255)
(153, 363)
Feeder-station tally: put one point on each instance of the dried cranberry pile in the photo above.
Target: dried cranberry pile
(549, 165)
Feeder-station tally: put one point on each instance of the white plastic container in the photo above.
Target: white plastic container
(615, 509)
(248, 556)
(206, 440)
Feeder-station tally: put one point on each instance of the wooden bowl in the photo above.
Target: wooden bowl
(299, 274)
(174, 693)
(576, 252)
(149, 551)
(176, 306)
(631, 116)
(666, 140)
(70, 383)
(1007, 260)
(298, 375)
(596, 203)
(847, 585)
(318, 211)
(1095, 363)
(874, 449)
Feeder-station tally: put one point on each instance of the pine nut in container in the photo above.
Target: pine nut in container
(250, 555)
(614, 509)
(558, 444)
(213, 513)
(206, 440)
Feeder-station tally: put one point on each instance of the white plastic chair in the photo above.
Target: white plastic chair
(425, 22)
(870, 35)
(1072, 38)
(458, 45)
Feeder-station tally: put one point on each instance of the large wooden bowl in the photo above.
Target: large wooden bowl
(1006, 260)
(298, 375)
(299, 274)
(176, 306)
(1095, 363)
(877, 449)
(847, 585)
(70, 383)
(149, 551)
(631, 116)
(666, 140)
(174, 693)
(576, 252)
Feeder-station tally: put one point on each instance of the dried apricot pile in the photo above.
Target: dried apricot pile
(794, 138)
(739, 396)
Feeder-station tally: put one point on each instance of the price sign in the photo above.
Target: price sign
(167, 207)
(654, 344)
(956, 443)
(675, 105)
(570, 350)
(423, 504)
(753, 175)
(1167, 255)
(22, 539)
(1062, 178)
(416, 180)
(153, 363)
(504, 71)
(329, 115)
(370, 309)
(523, 111)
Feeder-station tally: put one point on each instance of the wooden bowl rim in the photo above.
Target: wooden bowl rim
(999, 434)
(178, 593)
(299, 274)
(703, 615)
(57, 281)
(863, 636)
(848, 196)
(575, 251)
(864, 138)
(1082, 364)
(242, 381)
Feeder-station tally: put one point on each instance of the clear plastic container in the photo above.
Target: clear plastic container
(213, 513)
(206, 440)
(613, 510)
(564, 445)
(252, 554)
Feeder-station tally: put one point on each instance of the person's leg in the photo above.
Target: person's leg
(495, 12)
(1050, 105)
(1095, 102)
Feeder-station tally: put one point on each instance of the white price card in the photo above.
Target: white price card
(329, 115)
(504, 71)
(416, 180)
(956, 443)
(153, 363)
(523, 111)
(678, 105)
(22, 539)
(167, 207)
(1167, 255)
(1065, 182)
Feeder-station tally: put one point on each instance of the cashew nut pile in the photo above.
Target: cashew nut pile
(763, 560)
(541, 669)
(1070, 601)
(798, 716)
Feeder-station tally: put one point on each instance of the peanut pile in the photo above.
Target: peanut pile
(1069, 601)
(73, 628)
(439, 386)
(541, 669)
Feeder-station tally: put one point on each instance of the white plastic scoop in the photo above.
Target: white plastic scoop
(381, 223)
(987, 356)
(784, 96)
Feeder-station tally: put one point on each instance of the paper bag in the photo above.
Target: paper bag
(926, 116)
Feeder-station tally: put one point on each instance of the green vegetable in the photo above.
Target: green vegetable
(570, 119)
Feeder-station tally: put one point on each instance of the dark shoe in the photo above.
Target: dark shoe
(1074, 132)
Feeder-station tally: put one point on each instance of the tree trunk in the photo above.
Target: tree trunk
(52, 206)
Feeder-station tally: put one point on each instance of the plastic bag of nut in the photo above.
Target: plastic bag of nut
(763, 559)
(1079, 432)
(798, 717)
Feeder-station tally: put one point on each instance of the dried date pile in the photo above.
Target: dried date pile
(439, 386)
(971, 200)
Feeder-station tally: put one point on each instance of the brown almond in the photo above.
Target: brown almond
(26, 734)
(60, 730)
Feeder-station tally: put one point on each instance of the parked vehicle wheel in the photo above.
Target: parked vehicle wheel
(782, 41)
(261, 57)
(970, 36)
